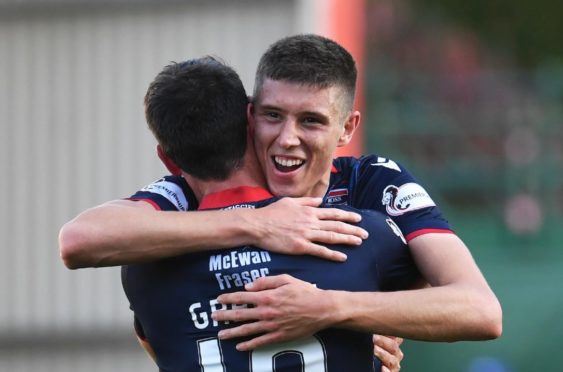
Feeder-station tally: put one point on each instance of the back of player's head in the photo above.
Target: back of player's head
(309, 60)
(197, 111)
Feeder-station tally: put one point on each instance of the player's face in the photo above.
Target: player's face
(297, 129)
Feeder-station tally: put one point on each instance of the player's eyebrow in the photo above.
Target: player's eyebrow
(322, 117)
(269, 107)
(319, 115)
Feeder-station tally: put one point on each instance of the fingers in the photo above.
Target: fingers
(268, 282)
(244, 330)
(262, 340)
(344, 228)
(389, 343)
(333, 232)
(308, 201)
(237, 315)
(388, 360)
(324, 252)
(302, 229)
(334, 214)
(338, 215)
(238, 298)
(386, 348)
(313, 248)
(257, 293)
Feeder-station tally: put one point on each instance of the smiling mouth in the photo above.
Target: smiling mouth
(286, 165)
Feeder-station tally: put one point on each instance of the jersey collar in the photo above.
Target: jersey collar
(237, 195)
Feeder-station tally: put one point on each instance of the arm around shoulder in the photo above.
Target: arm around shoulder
(445, 261)
(458, 306)
(92, 237)
(127, 232)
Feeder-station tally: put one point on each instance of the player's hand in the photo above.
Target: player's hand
(388, 350)
(295, 226)
(286, 308)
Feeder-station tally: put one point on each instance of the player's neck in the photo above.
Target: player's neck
(320, 189)
(248, 174)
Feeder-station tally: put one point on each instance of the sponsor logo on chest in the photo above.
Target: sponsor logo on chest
(229, 268)
(337, 196)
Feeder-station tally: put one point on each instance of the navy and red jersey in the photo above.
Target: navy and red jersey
(369, 182)
(173, 299)
(380, 184)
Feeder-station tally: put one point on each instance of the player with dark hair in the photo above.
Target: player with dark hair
(173, 299)
(308, 59)
(206, 149)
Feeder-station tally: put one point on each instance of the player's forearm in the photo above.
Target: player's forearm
(447, 313)
(116, 234)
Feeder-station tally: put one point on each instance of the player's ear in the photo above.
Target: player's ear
(168, 163)
(349, 127)
(250, 118)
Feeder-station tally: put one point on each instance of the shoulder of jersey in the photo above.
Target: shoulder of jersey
(376, 161)
(380, 219)
(366, 161)
(173, 188)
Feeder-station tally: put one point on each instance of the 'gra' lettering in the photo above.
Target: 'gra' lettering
(201, 316)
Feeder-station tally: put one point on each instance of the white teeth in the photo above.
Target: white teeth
(287, 162)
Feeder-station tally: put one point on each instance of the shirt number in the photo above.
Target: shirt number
(310, 350)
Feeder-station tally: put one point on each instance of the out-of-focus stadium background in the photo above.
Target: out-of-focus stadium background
(468, 95)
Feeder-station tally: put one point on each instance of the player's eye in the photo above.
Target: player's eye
(272, 115)
(312, 120)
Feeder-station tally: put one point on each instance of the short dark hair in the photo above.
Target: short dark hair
(197, 111)
(310, 60)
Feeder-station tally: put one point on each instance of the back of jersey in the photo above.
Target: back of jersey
(173, 300)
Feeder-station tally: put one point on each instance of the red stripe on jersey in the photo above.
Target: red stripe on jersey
(151, 202)
(237, 195)
(338, 192)
(414, 234)
(333, 169)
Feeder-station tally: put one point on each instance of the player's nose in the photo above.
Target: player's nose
(288, 136)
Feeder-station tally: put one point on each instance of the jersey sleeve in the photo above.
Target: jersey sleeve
(396, 269)
(170, 193)
(384, 185)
